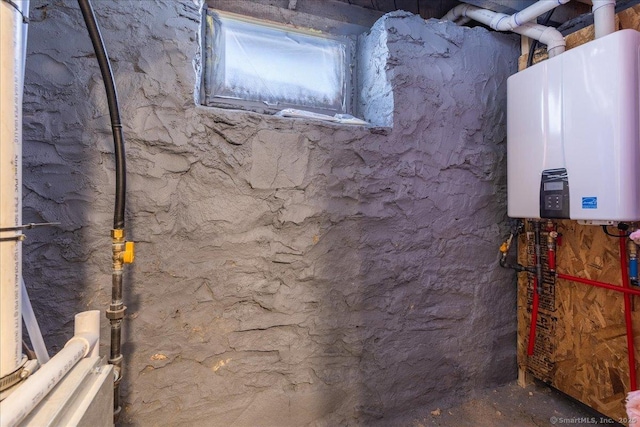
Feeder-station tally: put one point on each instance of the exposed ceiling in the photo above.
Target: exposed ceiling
(571, 16)
(426, 8)
(438, 8)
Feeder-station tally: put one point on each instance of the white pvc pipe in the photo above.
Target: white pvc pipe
(12, 33)
(502, 22)
(87, 330)
(21, 402)
(30, 321)
(604, 17)
(530, 13)
(456, 13)
(548, 35)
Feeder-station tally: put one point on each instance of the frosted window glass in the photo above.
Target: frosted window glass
(277, 67)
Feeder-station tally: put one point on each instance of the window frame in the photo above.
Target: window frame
(208, 40)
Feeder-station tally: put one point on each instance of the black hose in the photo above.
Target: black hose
(517, 267)
(114, 111)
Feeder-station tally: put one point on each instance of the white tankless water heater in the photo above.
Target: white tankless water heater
(573, 146)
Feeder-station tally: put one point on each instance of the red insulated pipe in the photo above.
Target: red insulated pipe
(627, 312)
(551, 259)
(624, 290)
(534, 318)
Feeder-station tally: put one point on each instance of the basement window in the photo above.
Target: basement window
(267, 67)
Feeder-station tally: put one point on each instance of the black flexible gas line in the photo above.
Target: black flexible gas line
(122, 251)
(114, 111)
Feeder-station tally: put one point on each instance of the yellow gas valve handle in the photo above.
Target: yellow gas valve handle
(129, 253)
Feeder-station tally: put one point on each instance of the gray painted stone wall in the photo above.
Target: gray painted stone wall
(288, 272)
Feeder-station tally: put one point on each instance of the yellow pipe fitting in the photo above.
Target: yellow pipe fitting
(504, 248)
(117, 234)
(123, 252)
(128, 255)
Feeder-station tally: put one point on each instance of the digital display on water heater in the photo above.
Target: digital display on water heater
(553, 186)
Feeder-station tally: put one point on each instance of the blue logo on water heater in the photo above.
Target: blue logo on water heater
(589, 203)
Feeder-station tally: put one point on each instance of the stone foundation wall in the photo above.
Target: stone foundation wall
(288, 272)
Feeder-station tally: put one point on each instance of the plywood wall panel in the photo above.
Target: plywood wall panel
(581, 346)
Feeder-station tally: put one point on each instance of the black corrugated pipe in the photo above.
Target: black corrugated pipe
(122, 251)
(114, 111)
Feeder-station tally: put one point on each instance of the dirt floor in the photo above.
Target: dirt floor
(537, 405)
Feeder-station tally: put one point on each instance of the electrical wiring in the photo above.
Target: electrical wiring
(622, 227)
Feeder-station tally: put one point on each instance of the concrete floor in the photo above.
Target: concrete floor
(537, 405)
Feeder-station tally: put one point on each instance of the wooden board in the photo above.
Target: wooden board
(581, 346)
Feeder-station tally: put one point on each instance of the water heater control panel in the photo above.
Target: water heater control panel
(554, 194)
